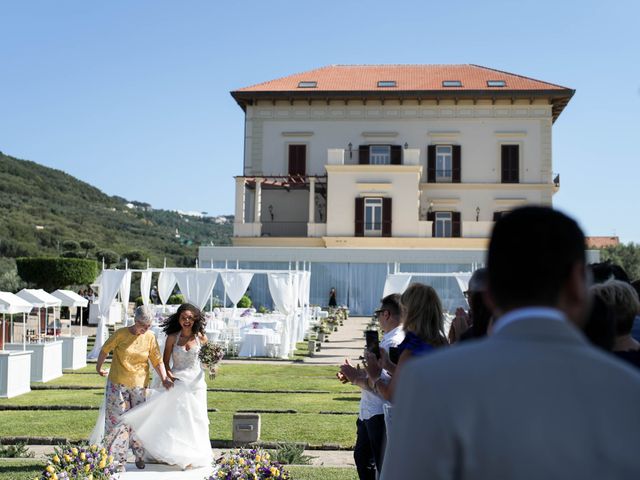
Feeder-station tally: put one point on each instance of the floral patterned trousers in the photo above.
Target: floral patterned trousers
(118, 438)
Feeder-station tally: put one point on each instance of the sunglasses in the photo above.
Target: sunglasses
(378, 312)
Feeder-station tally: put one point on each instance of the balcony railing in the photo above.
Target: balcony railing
(284, 229)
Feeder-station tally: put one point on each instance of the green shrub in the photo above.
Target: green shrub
(289, 453)
(19, 450)
(134, 256)
(177, 299)
(109, 256)
(72, 254)
(139, 302)
(245, 302)
(70, 245)
(53, 273)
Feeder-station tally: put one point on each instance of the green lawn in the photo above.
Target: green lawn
(307, 425)
(28, 469)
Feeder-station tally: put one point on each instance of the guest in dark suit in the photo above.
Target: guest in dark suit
(534, 400)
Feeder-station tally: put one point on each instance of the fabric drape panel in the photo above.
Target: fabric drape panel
(366, 283)
(196, 286)
(463, 282)
(297, 319)
(396, 283)
(281, 289)
(145, 286)
(125, 293)
(447, 287)
(109, 285)
(235, 284)
(166, 282)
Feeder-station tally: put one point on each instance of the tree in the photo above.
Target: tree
(70, 245)
(87, 245)
(109, 256)
(134, 256)
(54, 273)
(625, 255)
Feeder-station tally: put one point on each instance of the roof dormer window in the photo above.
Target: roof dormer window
(496, 83)
(307, 84)
(451, 83)
(387, 83)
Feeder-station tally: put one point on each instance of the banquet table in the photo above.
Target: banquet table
(254, 343)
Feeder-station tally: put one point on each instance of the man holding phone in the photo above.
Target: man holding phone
(371, 432)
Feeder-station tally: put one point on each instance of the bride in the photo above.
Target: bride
(173, 425)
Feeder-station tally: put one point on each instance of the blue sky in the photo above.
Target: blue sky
(133, 96)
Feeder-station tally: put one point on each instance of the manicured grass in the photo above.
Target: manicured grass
(28, 469)
(307, 425)
(239, 375)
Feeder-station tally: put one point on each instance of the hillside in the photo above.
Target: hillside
(41, 208)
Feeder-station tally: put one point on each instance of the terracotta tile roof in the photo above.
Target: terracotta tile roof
(422, 82)
(363, 78)
(602, 242)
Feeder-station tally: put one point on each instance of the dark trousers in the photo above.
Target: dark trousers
(369, 449)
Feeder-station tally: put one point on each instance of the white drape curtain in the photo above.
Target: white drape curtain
(196, 285)
(145, 286)
(125, 293)
(396, 283)
(109, 285)
(166, 282)
(236, 284)
(281, 289)
(463, 280)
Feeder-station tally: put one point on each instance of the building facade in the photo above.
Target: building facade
(399, 157)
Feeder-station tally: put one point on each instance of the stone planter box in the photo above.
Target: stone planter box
(74, 352)
(14, 366)
(46, 360)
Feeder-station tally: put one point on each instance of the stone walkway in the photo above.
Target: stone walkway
(347, 342)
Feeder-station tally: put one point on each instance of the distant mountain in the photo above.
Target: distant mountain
(41, 208)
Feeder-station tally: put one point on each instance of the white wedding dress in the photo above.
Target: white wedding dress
(173, 425)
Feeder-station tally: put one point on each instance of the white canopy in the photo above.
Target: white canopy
(10, 304)
(70, 299)
(166, 282)
(236, 284)
(39, 298)
(110, 282)
(396, 283)
(145, 286)
(196, 285)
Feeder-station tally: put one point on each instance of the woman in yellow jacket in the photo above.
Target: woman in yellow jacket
(133, 348)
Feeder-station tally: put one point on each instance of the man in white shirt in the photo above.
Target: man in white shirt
(368, 452)
(534, 400)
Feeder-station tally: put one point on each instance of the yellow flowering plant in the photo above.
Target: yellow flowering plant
(243, 464)
(90, 462)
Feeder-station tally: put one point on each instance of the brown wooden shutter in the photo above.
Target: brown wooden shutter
(297, 159)
(363, 154)
(510, 163)
(431, 217)
(456, 226)
(386, 217)
(456, 163)
(431, 163)
(359, 228)
(396, 155)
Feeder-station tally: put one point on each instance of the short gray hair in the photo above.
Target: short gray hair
(143, 315)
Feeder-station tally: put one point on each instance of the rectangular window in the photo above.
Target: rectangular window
(444, 155)
(379, 154)
(496, 83)
(510, 163)
(387, 83)
(307, 84)
(451, 83)
(373, 217)
(443, 224)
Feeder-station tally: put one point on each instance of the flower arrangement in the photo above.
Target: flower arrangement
(79, 463)
(210, 354)
(254, 464)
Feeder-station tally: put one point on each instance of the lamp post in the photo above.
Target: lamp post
(477, 213)
(350, 150)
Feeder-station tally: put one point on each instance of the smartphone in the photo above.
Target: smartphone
(373, 342)
(394, 356)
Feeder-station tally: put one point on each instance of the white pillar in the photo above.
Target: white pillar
(258, 202)
(312, 200)
(240, 197)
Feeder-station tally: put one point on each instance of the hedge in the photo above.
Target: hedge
(54, 273)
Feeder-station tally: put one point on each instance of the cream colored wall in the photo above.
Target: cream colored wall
(480, 130)
(400, 183)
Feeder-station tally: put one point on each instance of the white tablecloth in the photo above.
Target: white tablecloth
(255, 342)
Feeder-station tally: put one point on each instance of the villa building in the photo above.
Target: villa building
(381, 164)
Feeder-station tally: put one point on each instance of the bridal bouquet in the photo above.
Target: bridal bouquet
(79, 463)
(211, 354)
(254, 464)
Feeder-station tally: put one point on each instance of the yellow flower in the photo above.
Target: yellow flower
(94, 448)
(67, 458)
(56, 459)
(102, 464)
(241, 461)
(267, 456)
(110, 458)
(87, 468)
(274, 471)
(83, 456)
(50, 469)
(90, 477)
(103, 450)
(74, 450)
(54, 476)
(258, 458)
